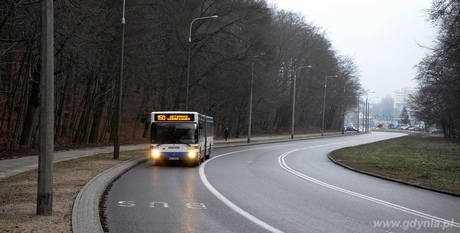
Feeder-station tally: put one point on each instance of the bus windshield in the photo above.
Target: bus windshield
(173, 133)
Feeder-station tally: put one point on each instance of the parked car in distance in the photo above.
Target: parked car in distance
(403, 127)
(436, 131)
(350, 128)
(392, 126)
(416, 128)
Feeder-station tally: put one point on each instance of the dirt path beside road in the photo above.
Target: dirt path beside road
(18, 194)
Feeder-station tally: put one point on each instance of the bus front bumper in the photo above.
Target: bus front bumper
(172, 156)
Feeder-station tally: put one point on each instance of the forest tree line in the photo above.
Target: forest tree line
(249, 42)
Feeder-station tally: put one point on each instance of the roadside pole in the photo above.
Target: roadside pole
(45, 159)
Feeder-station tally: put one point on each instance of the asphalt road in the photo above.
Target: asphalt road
(278, 187)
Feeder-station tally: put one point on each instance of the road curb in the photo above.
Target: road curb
(85, 212)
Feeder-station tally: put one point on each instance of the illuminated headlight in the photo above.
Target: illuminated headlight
(192, 154)
(155, 153)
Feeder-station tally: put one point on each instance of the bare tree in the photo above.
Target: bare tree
(438, 74)
(247, 35)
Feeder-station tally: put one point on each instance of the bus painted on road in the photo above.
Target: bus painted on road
(181, 136)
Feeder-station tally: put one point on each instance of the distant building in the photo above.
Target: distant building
(401, 99)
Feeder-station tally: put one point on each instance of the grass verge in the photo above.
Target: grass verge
(418, 159)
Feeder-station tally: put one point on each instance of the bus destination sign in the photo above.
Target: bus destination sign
(174, 117)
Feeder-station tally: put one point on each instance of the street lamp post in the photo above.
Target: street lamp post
(250, 97)
(293, 98)
(368, 120)
(46, 155)
(368, 116)
(116, 140)
(357, 130)
(324, 102)
(250, 103)
(366, 113)
(189, 52)
(344, 109)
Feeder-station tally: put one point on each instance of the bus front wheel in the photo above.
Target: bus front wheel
(197, 162)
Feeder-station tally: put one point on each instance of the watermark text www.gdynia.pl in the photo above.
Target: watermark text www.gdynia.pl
(414, 224)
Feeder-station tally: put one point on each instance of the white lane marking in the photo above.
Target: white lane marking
(230, 204)
(283, 164)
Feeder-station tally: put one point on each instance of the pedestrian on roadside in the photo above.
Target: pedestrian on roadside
(226, 134)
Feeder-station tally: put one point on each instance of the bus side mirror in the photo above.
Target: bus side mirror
(200, 126)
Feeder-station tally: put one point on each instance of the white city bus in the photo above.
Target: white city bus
(184, 136)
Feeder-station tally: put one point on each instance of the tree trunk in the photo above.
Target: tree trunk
(33, 103)
(97, 116)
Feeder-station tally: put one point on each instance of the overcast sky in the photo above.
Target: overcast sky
(382, 36)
